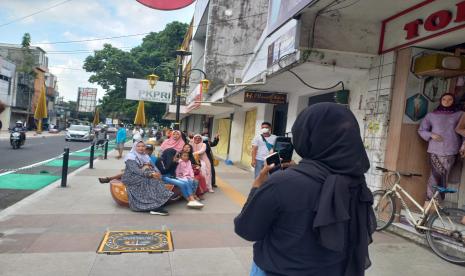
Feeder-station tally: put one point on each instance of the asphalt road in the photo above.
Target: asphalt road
(35, 150)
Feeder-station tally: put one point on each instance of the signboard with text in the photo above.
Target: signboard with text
(424, 21)
(87, 99)
(263, 97)
(139, 89)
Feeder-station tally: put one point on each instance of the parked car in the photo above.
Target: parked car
(80, 133)
(112, 129)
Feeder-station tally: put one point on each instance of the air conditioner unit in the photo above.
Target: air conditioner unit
(440, 65)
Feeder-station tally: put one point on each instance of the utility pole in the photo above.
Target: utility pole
(181, 53)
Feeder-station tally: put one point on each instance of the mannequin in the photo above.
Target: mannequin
(440, 129)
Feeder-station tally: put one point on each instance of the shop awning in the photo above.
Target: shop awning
(170, 114)
(20, 111)
(211, 109)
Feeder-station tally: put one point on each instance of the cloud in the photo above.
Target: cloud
(78, 20)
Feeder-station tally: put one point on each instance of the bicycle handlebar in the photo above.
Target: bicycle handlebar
(406, 174)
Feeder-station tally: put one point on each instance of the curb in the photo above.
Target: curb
(5, 213)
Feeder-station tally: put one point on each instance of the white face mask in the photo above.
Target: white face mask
(265, 130)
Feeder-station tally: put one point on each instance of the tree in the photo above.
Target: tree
(26, 42)
(112, 66)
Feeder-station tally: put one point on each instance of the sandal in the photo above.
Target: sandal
(103, 180)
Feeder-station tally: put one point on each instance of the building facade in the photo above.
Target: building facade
(362, 55)
(27, 87)
(7, 89)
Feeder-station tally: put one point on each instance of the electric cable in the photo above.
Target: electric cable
(139, 34)
(34, 13)
(304, 82)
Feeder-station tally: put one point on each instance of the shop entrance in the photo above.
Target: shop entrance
(224, 129)
(279, 119)
(415, 95)
(249, 133)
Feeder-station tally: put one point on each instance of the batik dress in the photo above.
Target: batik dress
(144, 192)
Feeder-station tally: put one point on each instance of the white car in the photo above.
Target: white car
(79, 132)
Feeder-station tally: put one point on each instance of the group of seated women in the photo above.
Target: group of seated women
(184, 165)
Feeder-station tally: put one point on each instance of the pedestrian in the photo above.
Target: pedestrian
(101, 138)
(136, 134)
(1, 125)
(314, 218)
(209, 153)
(120, 140)
(262, 145)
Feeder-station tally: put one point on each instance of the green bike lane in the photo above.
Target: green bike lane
(27, 180)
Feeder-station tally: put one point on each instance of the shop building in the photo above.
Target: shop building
(310, 49)
(362, 55)
(221, 38)
(27, 88)
(7, 89)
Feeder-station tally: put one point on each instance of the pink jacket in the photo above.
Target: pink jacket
(184, 169)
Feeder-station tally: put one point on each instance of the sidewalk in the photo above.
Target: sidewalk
(5, 134)
(56, 231)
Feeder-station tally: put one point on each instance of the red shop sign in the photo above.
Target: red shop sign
(166, 5)
(426, 20)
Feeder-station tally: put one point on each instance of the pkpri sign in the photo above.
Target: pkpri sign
(137, 89)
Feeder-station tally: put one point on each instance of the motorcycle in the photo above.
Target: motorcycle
(16, 139)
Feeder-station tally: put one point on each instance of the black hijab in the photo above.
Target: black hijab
(327, 137)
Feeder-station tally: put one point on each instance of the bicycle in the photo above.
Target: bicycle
(444, 228)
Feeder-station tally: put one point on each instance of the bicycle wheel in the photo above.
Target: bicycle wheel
(446, 236)
(384, 207)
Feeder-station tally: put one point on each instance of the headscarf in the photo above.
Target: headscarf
(173, 144)
(140, 158)
(327, 137)
(446, 110)
(196, 146)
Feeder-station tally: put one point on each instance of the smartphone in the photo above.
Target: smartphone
(274, 159)
(284, 147)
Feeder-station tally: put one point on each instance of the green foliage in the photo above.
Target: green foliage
(26, 42)
(112, 66)
(27, 65)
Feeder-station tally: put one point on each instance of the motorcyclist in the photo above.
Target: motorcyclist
(21, 129)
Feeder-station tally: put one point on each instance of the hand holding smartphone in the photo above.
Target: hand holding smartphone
(273, 159)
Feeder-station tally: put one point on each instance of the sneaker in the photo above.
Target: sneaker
(211, 191)
(159, 212)
(194, 204)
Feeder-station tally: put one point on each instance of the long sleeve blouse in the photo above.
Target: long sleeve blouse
(444, 125)
(184, 169)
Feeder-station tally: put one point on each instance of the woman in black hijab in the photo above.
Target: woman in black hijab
(314, 218)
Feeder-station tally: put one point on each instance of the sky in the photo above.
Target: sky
(80, 20)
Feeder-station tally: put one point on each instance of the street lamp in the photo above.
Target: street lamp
(205, 85)
(153, 79)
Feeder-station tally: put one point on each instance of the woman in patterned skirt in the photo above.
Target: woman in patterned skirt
(146, 191)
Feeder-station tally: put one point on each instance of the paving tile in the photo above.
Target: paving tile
(139, 264)
(42, 264)
(52, 242)
(205, 261)
(245, 256)
(17, 243)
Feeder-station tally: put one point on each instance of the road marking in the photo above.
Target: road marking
(231, 192)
